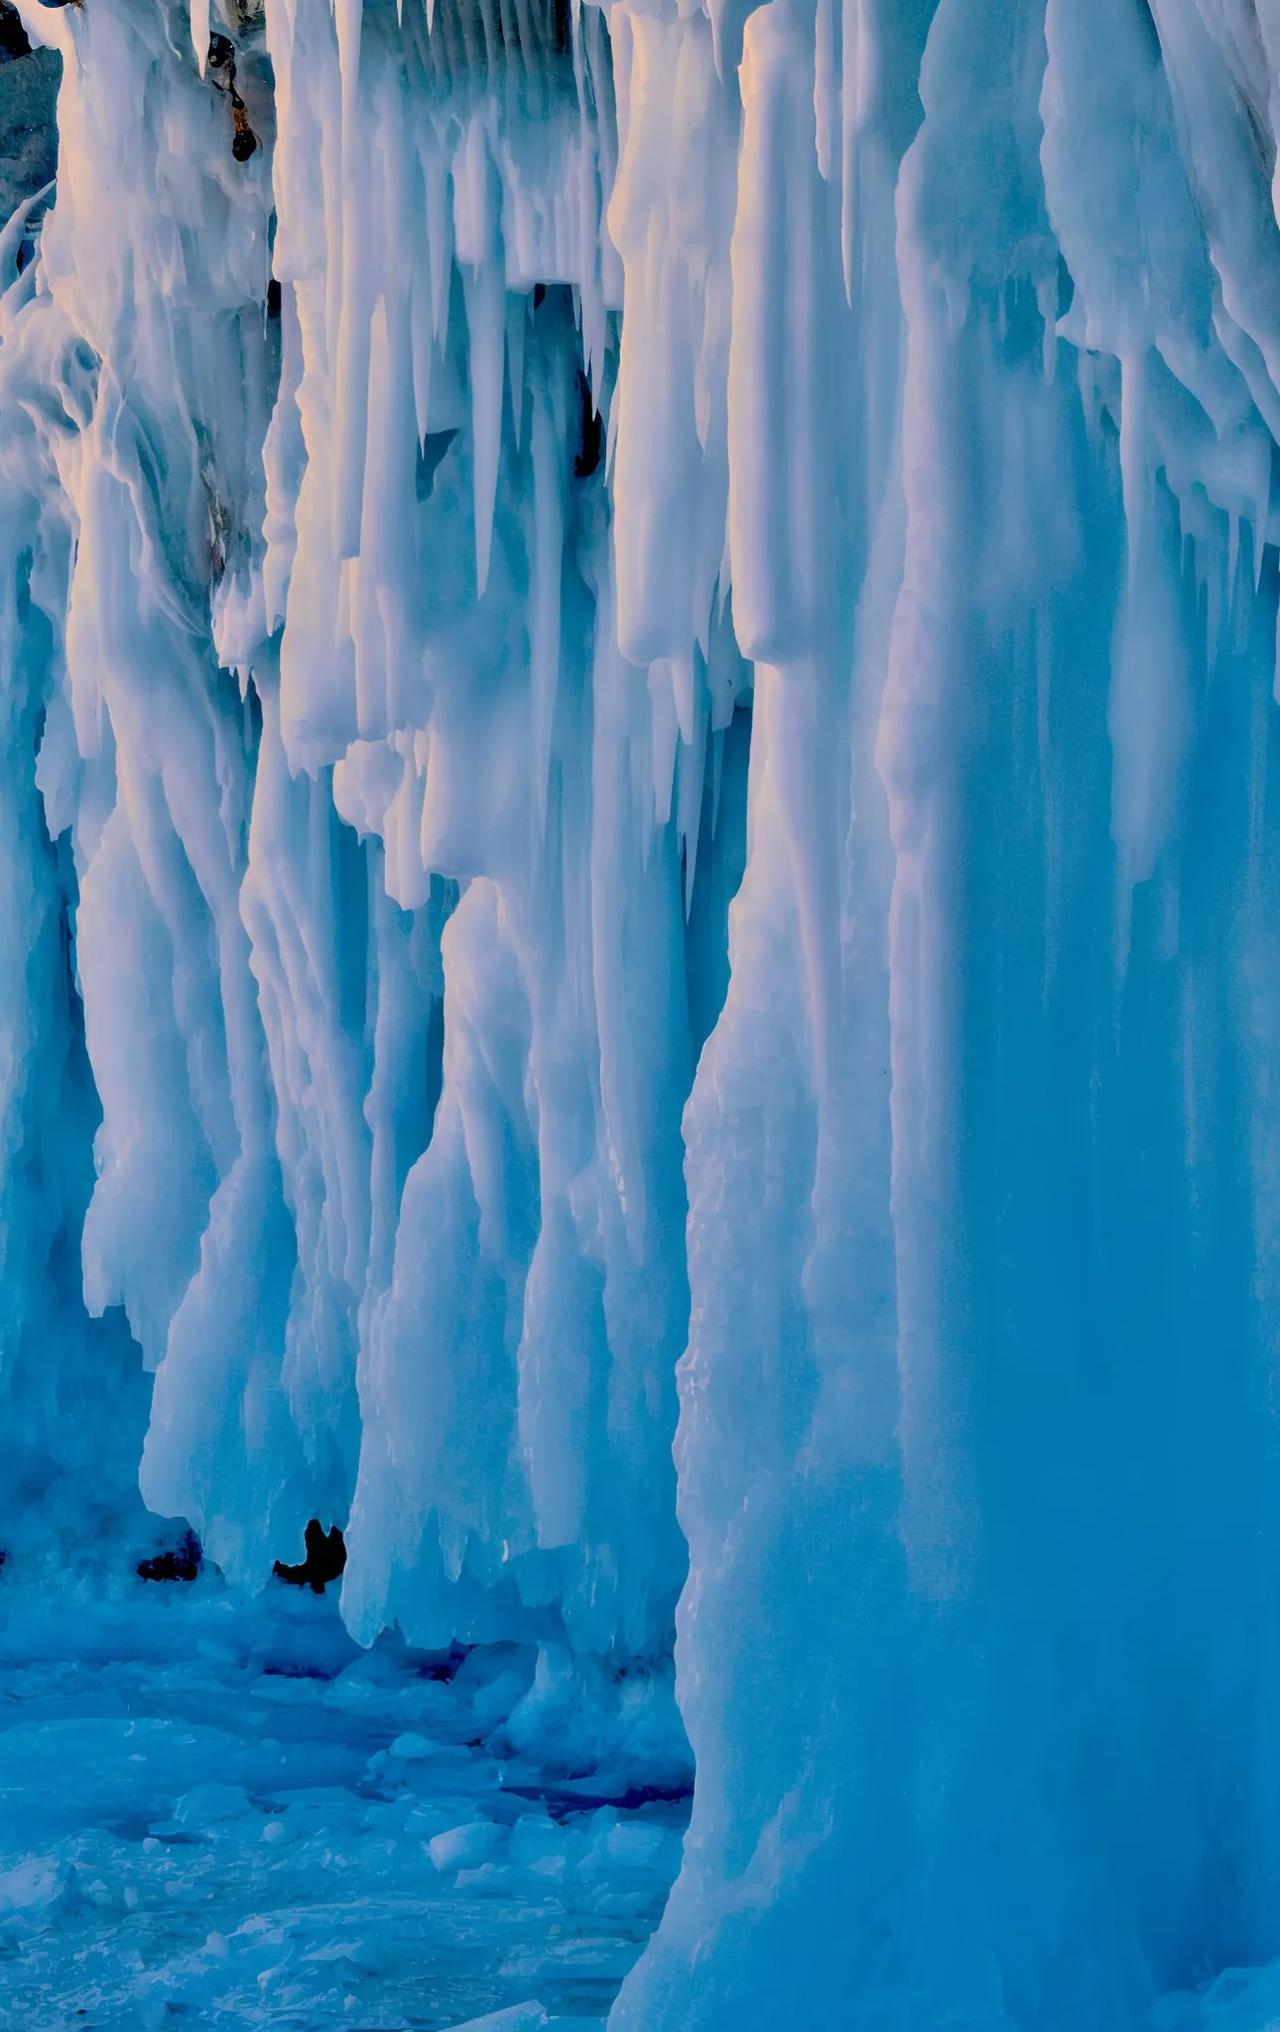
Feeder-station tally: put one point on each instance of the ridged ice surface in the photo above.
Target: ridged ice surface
(835, 442)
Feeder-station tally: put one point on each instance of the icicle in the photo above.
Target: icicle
(717, 774)
(1047, 302)
(486, 330)
(679, 675)
(691, 771)
(825, 89)
(200, 32)
(665, 741)
(528, 40)
(479, 253)
(1133, 444)
(356, 310)
(12, 234)
(517, 326)
(548, 460)
(421, 319)
(439, 240)
(490, 35)
(349, 15)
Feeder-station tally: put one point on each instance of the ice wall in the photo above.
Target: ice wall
(580, 452)
(977, 1452)
(379, 849)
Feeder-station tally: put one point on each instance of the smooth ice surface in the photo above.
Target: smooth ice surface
(638, 727)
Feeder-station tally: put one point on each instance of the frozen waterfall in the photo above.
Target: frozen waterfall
(640, 923)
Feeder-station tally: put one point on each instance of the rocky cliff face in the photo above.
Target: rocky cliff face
(28, 123)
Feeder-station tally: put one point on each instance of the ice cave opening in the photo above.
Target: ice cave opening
(640, 1014)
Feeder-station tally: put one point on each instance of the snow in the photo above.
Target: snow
(638, 959)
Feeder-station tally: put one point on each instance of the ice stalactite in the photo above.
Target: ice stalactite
(443, 650)
(384, 861)
(66, 1379)
(404, 527)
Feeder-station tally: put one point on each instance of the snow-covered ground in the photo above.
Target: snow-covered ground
(219, 1811)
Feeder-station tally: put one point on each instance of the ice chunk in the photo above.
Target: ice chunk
(465, 1847)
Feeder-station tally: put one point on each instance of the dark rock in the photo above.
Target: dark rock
(13, 36)
(326, 1557)
(182, 1561)
(28, 126)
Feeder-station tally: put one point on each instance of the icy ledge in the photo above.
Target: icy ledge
(390, 719)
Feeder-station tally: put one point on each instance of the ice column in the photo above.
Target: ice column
(977, 1448)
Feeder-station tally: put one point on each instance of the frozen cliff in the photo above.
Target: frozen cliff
(640, 812)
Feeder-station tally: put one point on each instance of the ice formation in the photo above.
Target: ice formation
(638, 733)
